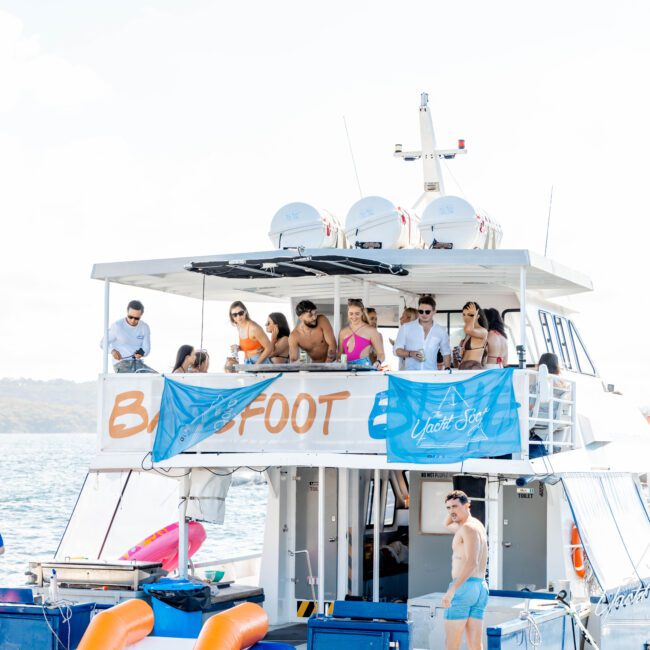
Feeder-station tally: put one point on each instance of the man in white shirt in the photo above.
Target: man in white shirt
(129, 341)
(419, 341)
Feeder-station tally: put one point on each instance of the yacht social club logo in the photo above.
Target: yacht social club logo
(452, 416)
(446, 422)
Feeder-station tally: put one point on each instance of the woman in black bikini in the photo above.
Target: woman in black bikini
(278, 328)
(474, 345)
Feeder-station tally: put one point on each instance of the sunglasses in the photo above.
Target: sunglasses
(133, 317)
(234, 314)
(424, 311)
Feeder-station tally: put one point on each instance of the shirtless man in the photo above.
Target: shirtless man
(467, 595)
(313, 334)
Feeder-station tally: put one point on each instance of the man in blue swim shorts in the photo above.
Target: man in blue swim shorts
(467, 595)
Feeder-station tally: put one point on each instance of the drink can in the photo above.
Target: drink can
(424, 358)
(344, 359)
(234, 349)
(303, 357)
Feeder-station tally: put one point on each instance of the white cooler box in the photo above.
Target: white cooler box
(429, 617)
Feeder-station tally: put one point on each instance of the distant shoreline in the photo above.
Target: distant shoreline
(48, 433)
(54, 406)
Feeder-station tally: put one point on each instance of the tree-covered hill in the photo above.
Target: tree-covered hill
(32, 406)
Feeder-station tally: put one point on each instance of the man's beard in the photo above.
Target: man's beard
(312, 324)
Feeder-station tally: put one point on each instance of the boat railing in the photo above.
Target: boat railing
(551, 416)
(235, 568)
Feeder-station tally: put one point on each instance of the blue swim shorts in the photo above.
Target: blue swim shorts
(469, 601)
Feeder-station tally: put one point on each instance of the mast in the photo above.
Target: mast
(430, 154)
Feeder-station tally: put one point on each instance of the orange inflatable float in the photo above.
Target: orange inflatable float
(236, 628)
(577, 553)
(119, 626)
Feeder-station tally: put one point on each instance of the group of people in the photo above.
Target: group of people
(421, 343)
(312, 339)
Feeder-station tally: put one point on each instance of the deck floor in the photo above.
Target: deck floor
(295, 634)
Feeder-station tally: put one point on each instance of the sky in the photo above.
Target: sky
(138, 129)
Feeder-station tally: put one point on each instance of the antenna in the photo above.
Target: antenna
(548, 221)
(354, 164)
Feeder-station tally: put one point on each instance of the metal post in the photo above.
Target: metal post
(342, 534)
(183, 546)
(366, 293)
(376, 509)
(321, 540)
(337, 305)
(105, 350)
(522, 317)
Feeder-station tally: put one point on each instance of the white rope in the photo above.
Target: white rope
(66, 617)
(534, 634)
(576, 617)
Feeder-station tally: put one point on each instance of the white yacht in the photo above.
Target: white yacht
(355, 492)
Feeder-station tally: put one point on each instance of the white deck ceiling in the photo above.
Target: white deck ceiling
(430, 271)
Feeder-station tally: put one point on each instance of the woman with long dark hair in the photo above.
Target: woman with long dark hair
(278, 328)
(473, 346)
(253, 342)
(497, 341)
(184, 359)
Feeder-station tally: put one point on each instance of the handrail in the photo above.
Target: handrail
(230, 560)
(562, 415)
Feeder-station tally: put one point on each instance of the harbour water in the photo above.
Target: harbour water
(40, 480)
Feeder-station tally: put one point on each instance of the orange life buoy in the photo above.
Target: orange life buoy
(577, 553)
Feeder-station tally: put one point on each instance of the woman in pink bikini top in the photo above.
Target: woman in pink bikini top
(358, 338)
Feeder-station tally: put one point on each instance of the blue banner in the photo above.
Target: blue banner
(189, 414)
(447, 422)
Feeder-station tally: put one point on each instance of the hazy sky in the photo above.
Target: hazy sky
(134, 130)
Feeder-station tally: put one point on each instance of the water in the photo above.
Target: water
(40, 480)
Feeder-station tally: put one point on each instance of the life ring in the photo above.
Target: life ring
(577, 553)
(162, 546)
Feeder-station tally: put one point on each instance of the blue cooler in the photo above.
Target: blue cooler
(359, 625)
(32, 627)
(178, 607)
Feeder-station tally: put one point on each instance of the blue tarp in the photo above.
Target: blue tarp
(189, 414)
(448, 422)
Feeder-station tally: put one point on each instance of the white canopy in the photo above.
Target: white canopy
(422, 271)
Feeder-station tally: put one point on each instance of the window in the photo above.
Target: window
(389, 505)
(561, 331)
(546, 331)
(585, 364)
(562, 338)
